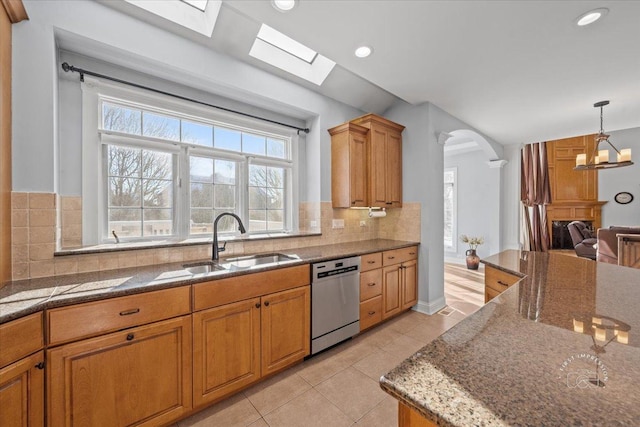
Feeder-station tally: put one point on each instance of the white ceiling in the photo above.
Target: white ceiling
(517, 71)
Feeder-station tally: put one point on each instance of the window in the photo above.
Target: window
(168, 172)
(450, 213)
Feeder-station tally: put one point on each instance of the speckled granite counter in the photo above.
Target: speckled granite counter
(530, 356)
(24, 297)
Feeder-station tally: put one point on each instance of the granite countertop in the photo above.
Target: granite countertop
(530, 356)
(24, 297)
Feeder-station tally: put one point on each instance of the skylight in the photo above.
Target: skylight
(198, 4)
(281, 51)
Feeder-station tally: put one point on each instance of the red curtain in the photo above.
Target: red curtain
(535, 193)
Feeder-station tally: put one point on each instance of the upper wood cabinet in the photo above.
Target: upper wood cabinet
(366, 162)
(568, 185)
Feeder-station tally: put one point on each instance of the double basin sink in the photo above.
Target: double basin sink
(237, 263)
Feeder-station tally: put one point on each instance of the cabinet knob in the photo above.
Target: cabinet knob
(371, 262)
(129, 337)
(266, 303)
(257, 305)
(40, 365)
(412, 253)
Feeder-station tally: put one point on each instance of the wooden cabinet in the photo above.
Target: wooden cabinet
(388, 284)
(497, 281)
(349, 166)
(22, 372)
(237, 343)
(629, 250)
(366, 155)
(408, 417)
(140, 376)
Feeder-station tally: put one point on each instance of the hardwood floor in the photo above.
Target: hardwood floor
(463, 288)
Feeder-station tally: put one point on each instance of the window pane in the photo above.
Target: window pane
(201, 195)
(201, 221)
(225, 172)
(226, 139)
(275, 177)
(227, 224)
(125, 222)
(257, 198)
(225, 197)
(157, 193)
(158, 222)
(253, 144)
(156, 165)
(201, 169)
(257, 220)
(124, 192)
(257, 176)
(120, 119)
(159, 126)
(197, 133)
(275, 198)
(275, 148)
(275, 220)
(124, 161)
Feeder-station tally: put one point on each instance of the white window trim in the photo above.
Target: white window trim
(454, 225)
(93, 138)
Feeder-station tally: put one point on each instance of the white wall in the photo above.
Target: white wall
(478, 204)
(613, 181)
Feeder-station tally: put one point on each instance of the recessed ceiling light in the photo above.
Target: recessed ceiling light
(591, 16)
(363, 51)
(283, 5)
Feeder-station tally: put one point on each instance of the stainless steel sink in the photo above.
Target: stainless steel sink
(203, 267)
(256, 260)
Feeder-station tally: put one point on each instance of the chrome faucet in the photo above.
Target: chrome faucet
(216, 249)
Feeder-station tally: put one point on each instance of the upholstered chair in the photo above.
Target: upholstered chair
(583, 240)
(608, 242)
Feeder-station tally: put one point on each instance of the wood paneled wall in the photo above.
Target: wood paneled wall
(11, 11)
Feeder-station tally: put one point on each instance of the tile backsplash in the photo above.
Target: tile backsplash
(45, 222)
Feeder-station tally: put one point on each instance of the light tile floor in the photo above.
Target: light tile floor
(340, 386)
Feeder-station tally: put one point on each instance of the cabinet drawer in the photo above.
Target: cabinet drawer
(498, 280)
(20, 338)
(225, 291)
(370, 261)
(93, 318)
(370, 284)
(489, 294)
(397, 256)
(370, 312)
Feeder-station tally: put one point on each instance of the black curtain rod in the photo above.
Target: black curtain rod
(66, 67)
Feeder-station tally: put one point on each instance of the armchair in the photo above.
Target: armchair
(608, 242)
(583, 240)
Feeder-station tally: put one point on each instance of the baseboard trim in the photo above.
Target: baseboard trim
(430, 307)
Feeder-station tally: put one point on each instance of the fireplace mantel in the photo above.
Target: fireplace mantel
(581, 210)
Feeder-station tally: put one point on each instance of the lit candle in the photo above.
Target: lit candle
(581, 159)
(625, 155)
(596, 160)
(623, 337)
(601, 334)
(578, 326)
(603, 155)
(596, 321)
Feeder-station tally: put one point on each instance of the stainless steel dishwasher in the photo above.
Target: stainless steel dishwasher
(335, 302)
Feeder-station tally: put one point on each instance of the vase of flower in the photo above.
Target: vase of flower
(473, 260)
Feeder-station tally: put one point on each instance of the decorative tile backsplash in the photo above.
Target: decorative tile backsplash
(43, 222)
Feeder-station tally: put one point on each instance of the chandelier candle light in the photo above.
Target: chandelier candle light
(601, 160)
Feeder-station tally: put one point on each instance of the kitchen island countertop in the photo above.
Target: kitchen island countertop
(561, 347)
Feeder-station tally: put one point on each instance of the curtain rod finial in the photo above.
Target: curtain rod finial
(66, 67)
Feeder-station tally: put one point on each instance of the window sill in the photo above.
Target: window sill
(172, 243)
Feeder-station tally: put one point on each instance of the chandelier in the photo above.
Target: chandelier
(600, 158)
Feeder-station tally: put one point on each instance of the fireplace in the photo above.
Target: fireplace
(560, 237)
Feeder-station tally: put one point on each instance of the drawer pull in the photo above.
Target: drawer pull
(371, 284)
(257, 305)
(412, 253)
(129, 312)
(371, 313)
(266, 303)
(40, 365)
(371, 262)
(130, 337)
(500, 282)
(391, 257)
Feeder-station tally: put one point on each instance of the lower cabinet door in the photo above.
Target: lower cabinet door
(391, 302)
(140, 376)
(286, 328)
(22, 392)
(226, 349)
(409, 284)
